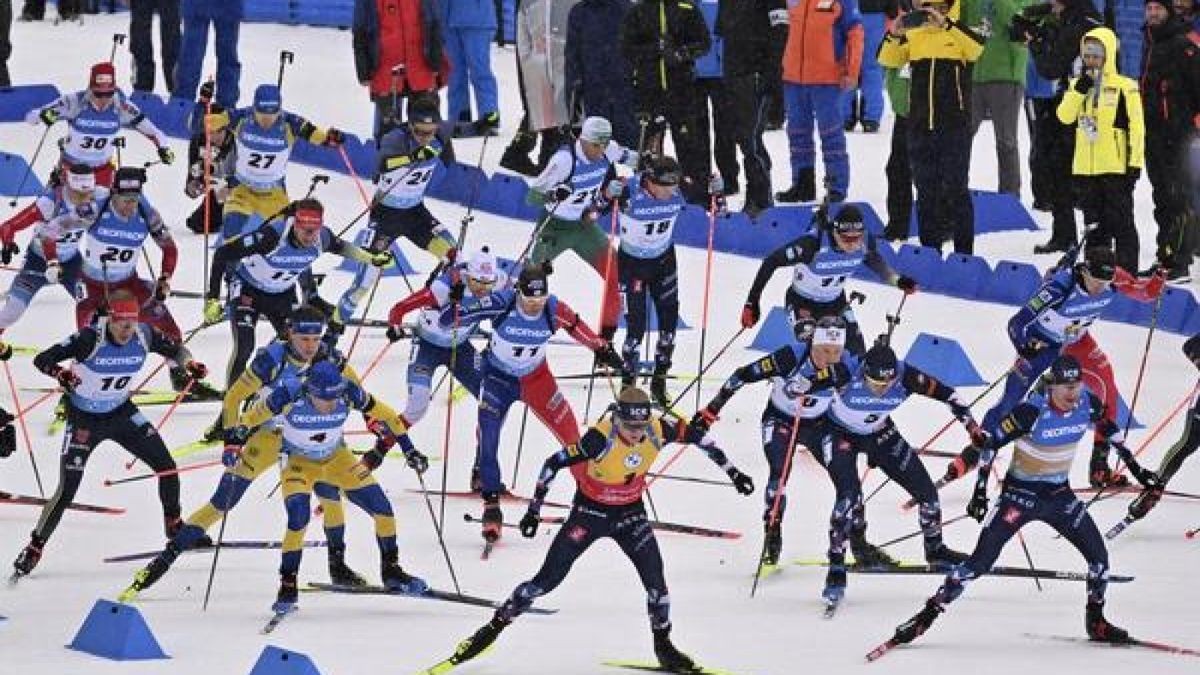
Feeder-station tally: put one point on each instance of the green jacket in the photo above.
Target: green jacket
(897, 90)
(1002, 60)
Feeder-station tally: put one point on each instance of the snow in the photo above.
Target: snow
(602, 612)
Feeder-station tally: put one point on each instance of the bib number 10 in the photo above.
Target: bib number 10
(114, 383)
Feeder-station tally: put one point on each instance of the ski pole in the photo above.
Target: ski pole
(604, 299)
(438, 529)
(378, 198)
(362, 192)
(117, 39)
(366, 310)
(12, 388)
(375, 361)
(893, 320)
(773, 517)
(160, 474)
(446, 432)
(212, 570)
(712, 230)
(208, 191)
(29, 167)
(21, 412)
(285, 58)
(167, 415)
(520, 445)
(537, 230)
(919, 532)
(469, 217)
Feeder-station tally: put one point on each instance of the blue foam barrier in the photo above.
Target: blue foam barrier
(118, 632)
(1178, 307)
(268, 11)
(400, 267)
(964, 276)
(921, 263)
(276, 661)
(776, 331)
(1123, 414)
(1000, 212)
(12, 169)
(945, 359)
(501, 194)
(176, 117)
(1012, 283)
(17, 101)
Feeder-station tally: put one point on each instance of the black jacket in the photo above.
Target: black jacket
(1055, 52)
(594, 63)
(1170, 82)
(661, 40)
(754, 33)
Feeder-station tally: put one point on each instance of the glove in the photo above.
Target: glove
(382, 259)
(614, 188)
(213, 311)
(196, 370)
(333, 138)
(907, 284)
(162, 288)
(701, 422)
(66, 379)
(560, 192)
(1031, 348)
(1084, 84)
(48, 116)
(396, 333)
(6, 352)
(1146, 477)
(416, 460)
(978, 506)
(529, 523)
(607, 356)
(749, 314)
(741, 481)
(423, 154)
(7, 252)
(53, 272)
(235, 439)
(165, 154)
(373, 458)
(1133, 174)
(716, 184)
(979, 437)
(206, 92)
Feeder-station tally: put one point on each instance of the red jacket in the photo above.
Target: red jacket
(392, 32)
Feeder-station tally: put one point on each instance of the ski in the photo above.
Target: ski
(505, 496)
(878, 652)
(1133, 642)
(997, 571)
(656, 668)
(663, 526)
(167, 398)
(195, 447)
(237, 545)
(1119, 527)
(277, 619)
(10, 498)
(431, 594)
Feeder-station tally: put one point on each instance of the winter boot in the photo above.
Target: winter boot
(1098, 627)
(1145, 501)
(804, 189)
(516, 155)
(669, 656)
(493, 518)
(870, 126)
(868, 554)
(773, 542)
(488, 125)
(476, 480)
(288, 594)
(479, 642)
(29, 556)
(1053, 246)
(151, 573)
(339, 572)
(1099, 475)
(919, 623)
(399, 581)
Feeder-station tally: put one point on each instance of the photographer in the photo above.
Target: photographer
(939, 52)
(1106, 109)
(998, 83)
(1053, 32)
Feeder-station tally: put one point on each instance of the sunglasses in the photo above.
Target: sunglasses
(418, 131)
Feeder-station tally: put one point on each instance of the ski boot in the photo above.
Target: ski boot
(1098, 627)
(285, 600)
(942, 555)
(29, 556)
(479, 641)
(397, 580)
(868, 554)
(960, 465)
(835, 583)
(1099, 475)
(658, 387)
(200, 391)
(151, 573)
(669, 656)
(773, 542)
(919, 623)
(339, 572)
(1146, 500)
(493, 517)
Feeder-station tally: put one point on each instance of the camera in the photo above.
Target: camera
(915, 19)
(1032, 21)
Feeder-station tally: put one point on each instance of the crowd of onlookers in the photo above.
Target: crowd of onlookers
(717, 74)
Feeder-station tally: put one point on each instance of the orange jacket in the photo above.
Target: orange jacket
(824, 43)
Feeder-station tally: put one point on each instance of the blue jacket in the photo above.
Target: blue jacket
(593, 51)
(711, 65)
(468, 14)
(1037, 86)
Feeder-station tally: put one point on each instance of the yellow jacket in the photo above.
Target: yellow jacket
(1110, 133)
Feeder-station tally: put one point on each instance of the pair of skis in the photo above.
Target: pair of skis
(906, 567)
(881, 650)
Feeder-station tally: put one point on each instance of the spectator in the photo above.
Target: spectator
(662, 39)
(391, 33)
(714, 98)
(1189, 12)
(541, 52)
(939, 52)
(998, 83)
(1170, 87)
(864, 104)
(1041, 99)
(597, 74)
(5, 42)
(467, 29)
(820, 63)
(35, 10)
(141, 41)
(899, 169)
(226, 19)
(1053, 33)
(753, 35)
(1106, 110)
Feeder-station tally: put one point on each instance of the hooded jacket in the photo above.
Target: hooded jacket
(1110, 132)
(753, 34)
(1170, 81)
(652, 30)
(939, 62)
(390, 32)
